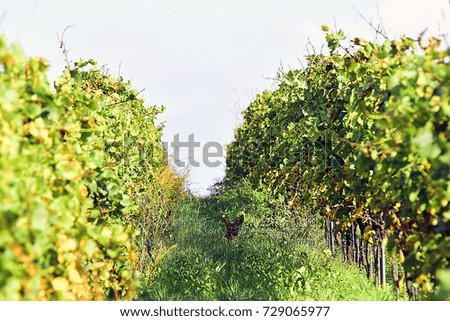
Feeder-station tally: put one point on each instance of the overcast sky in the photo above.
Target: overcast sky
(204, 60)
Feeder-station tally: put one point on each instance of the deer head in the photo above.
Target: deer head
(232, 228)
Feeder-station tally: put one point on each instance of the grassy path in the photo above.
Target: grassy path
(276, 256)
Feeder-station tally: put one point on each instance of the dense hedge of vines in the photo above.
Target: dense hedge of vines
(361, 136)
(80, 166)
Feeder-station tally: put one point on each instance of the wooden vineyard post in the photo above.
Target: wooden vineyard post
(382, 266)
(356, 245)
(329, 231)
(346, 246)
(381, 235)
(368, 261)
(376, 250)
(361, 253)
(396, 278)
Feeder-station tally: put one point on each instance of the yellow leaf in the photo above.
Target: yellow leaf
(74, 275)
(68, 246)
(60, 284)
(98, 265)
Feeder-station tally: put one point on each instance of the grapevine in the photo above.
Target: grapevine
(361, 138)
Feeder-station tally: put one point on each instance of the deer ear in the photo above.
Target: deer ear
(225, 220)
(240, 220)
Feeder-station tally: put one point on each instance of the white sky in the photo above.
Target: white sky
(204, 60)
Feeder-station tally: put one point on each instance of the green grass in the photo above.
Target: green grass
(277, 255)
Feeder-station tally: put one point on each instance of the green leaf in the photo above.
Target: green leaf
(425, 142)
(90, 248)
(39, 217)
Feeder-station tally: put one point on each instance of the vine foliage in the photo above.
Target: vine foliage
(360, 137)
(79, 164)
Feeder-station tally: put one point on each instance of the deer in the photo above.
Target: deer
(232, 228)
